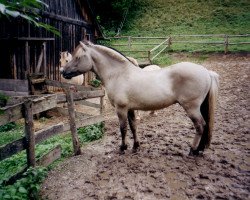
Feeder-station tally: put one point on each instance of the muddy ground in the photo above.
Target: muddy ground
(162, 168)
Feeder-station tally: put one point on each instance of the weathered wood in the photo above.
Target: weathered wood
(40, 60)
(90, 104)
(89, 121)
(67, 85)
(12, 148)
(16, 85)
(81, 95)
(29, 133)
(13, 113)
(13, 93)
(48, 132)
(75, 139)
(27, 59)
(50, 157)
(65, 19)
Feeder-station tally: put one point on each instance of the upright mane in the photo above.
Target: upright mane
(106, 50)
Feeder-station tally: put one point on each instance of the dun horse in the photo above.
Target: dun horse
(130, 88)
(66, 57)
(149, 68)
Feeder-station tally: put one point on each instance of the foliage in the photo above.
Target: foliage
(161, 18)
(91, 133)
(96, 83)
(3, 99)
(7, 127)
(157, 17)
(15, 163)
(27, 10)
(110, 12)
(25, 188)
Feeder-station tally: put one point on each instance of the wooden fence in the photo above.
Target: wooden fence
(146, 49)
(31, 105)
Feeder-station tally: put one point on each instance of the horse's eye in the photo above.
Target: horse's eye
(67, 61)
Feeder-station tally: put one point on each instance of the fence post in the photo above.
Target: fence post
(149, 55)
(29, 133)
(226, 43)
(169, 41)
(129, 42)
(72, 122)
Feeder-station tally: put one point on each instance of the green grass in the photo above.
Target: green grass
(170, 18)
(15, 163)
(161, 17)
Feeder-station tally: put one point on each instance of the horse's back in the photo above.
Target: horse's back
(190, 81)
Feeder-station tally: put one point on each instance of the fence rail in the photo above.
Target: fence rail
(33, 105)
(137, 45)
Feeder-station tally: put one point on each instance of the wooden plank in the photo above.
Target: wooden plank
(165, 41)
(29, 133)
(89, 121)
(14, 85)
(10, 114)
(65, 19)
(199, 42)
(12, 148)
(48, 132)
(81, 95)
(44, 103)
(50, 157)
(40, 60)
(67, 85)
(14, 93)
(71, 109)
(13, 113)
(90, 104)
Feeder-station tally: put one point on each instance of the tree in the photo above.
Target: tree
(111, 12)
(26, 9)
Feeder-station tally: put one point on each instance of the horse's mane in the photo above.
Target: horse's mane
(114, 53)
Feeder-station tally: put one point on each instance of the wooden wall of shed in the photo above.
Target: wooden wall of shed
(12, 52)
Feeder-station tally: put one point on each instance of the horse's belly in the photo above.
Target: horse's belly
(152, 100)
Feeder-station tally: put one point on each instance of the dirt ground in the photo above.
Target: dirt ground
(162, 168)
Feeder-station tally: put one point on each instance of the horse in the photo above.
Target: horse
(129, 88)
(148, 68)
(66, 57)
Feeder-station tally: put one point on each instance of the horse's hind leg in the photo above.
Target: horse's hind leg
(199, 123)
(132, 124)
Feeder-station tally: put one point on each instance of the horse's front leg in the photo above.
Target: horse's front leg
(122, 116)
(132, 124)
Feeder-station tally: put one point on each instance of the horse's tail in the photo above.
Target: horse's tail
(208, 110)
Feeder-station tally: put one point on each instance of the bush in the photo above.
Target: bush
(25, 188)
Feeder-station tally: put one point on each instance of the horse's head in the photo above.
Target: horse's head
(80, 63)
(65, 57)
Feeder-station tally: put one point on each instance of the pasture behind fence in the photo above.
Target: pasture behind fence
(146, 49)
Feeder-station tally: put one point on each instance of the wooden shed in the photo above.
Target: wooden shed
(26, 50)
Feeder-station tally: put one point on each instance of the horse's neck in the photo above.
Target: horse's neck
(107, 67)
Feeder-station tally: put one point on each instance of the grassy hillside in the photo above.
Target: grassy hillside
(165, 17)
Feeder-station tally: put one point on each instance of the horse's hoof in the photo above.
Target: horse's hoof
(136, 147)
(121, 152)
(123, 147)
(193, 152)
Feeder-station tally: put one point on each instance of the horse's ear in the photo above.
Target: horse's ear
(83, 45)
